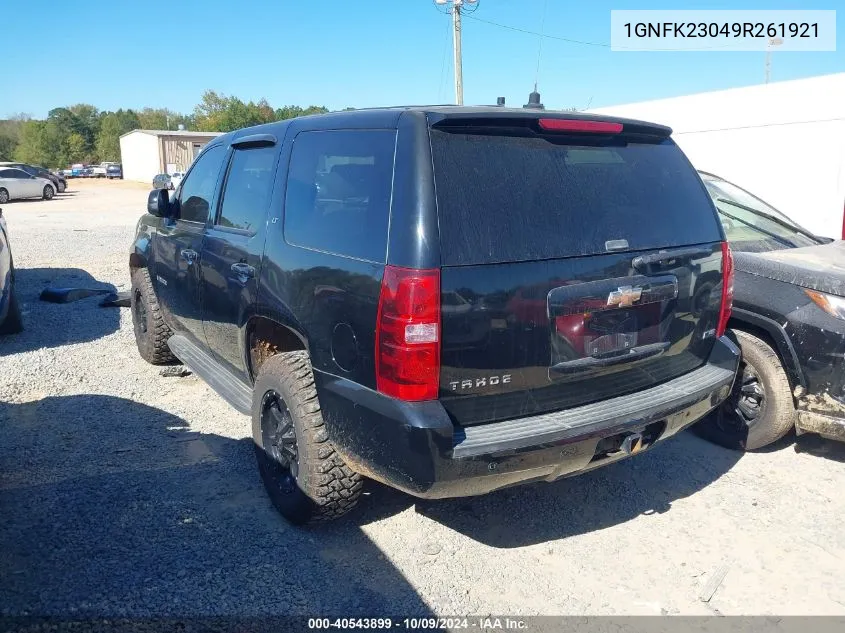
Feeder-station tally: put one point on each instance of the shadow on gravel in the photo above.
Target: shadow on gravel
(820, 447)
(646, 484)
(114, 508)
(53, 325)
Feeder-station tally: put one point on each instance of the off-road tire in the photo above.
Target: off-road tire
(151, 332)
(325, 487)
(48, 192)
(4, 196)
(13, 323)
(777, 412)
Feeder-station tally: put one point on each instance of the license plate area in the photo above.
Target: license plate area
(620, 318)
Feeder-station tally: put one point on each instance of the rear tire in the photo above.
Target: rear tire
(306, 479)
(62, 188)
(48, 192)
(4, 196)
(13, 323)
(760, 409)
(151, 332)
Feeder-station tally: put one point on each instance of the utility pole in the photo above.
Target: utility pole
(459, 72)
(775, 41)
(456, 6)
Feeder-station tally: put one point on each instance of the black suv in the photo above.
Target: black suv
(449, 300)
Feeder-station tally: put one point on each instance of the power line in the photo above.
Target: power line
(585, 43)
(552, 37)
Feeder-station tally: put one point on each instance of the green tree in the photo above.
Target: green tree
(219, 113)
(77, 149)
(162, 119)
(33, 144)
(112, 126)
(291, 111)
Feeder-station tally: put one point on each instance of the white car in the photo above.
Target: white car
(16, 184)
(176, 178)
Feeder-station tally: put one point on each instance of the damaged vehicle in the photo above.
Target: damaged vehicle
(448, 300)
(789, 319)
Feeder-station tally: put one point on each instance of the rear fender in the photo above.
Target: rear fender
(778, 335)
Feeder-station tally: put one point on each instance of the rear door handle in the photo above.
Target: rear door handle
(243, 270)
(189, 255)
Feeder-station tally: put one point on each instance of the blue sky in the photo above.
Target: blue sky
(355, 53)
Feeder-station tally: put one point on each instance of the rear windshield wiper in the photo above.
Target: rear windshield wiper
(773, 218)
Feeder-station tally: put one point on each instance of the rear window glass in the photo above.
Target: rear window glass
(510, 198)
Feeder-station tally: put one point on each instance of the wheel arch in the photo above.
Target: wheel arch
(266, 335)
(776, 337)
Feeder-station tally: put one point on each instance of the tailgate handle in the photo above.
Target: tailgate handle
(643, 261)
(590, 362)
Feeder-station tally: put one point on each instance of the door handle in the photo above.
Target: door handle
(243, 270)
(189, 255)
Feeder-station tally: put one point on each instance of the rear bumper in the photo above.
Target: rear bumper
(416, 448)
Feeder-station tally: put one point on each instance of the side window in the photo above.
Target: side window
(198, 188)
(7, 173)
(249, 184)
(338, 192)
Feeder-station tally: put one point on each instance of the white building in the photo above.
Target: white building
(145, 153)
(784, 142)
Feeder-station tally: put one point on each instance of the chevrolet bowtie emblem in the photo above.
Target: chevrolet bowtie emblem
(625, 296)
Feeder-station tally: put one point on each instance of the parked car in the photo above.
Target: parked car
(162, 181)
(16, 184)
(10, 313)
(789, 318)
(59, 183)
(98, 171)
(321, 313)
(77, 170)
(114, 171)
(176, 178)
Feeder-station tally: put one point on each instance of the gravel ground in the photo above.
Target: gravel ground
(123, 492)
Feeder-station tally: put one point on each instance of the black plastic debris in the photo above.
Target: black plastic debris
(116, 300)
(68, 295)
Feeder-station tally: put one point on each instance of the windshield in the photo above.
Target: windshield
(747, 228)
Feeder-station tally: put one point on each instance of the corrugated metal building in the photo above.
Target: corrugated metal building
(145, 153)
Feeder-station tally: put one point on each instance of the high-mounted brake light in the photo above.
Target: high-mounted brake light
(408, 334)
(727, 289)
(577, 125)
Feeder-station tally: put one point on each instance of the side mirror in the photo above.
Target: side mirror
(158, 203)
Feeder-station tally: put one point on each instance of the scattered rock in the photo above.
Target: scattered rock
(177, 371)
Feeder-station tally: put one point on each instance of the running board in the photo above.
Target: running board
(232, 390)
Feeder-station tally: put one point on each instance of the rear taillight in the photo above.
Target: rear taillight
(727, 289)
(408, 334)
(578, 125)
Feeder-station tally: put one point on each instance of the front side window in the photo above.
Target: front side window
(338, 192)
(249, 184)
(198, 188)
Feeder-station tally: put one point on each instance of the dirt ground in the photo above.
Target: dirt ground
(123, 492)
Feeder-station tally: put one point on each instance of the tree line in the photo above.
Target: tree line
(83, 134)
